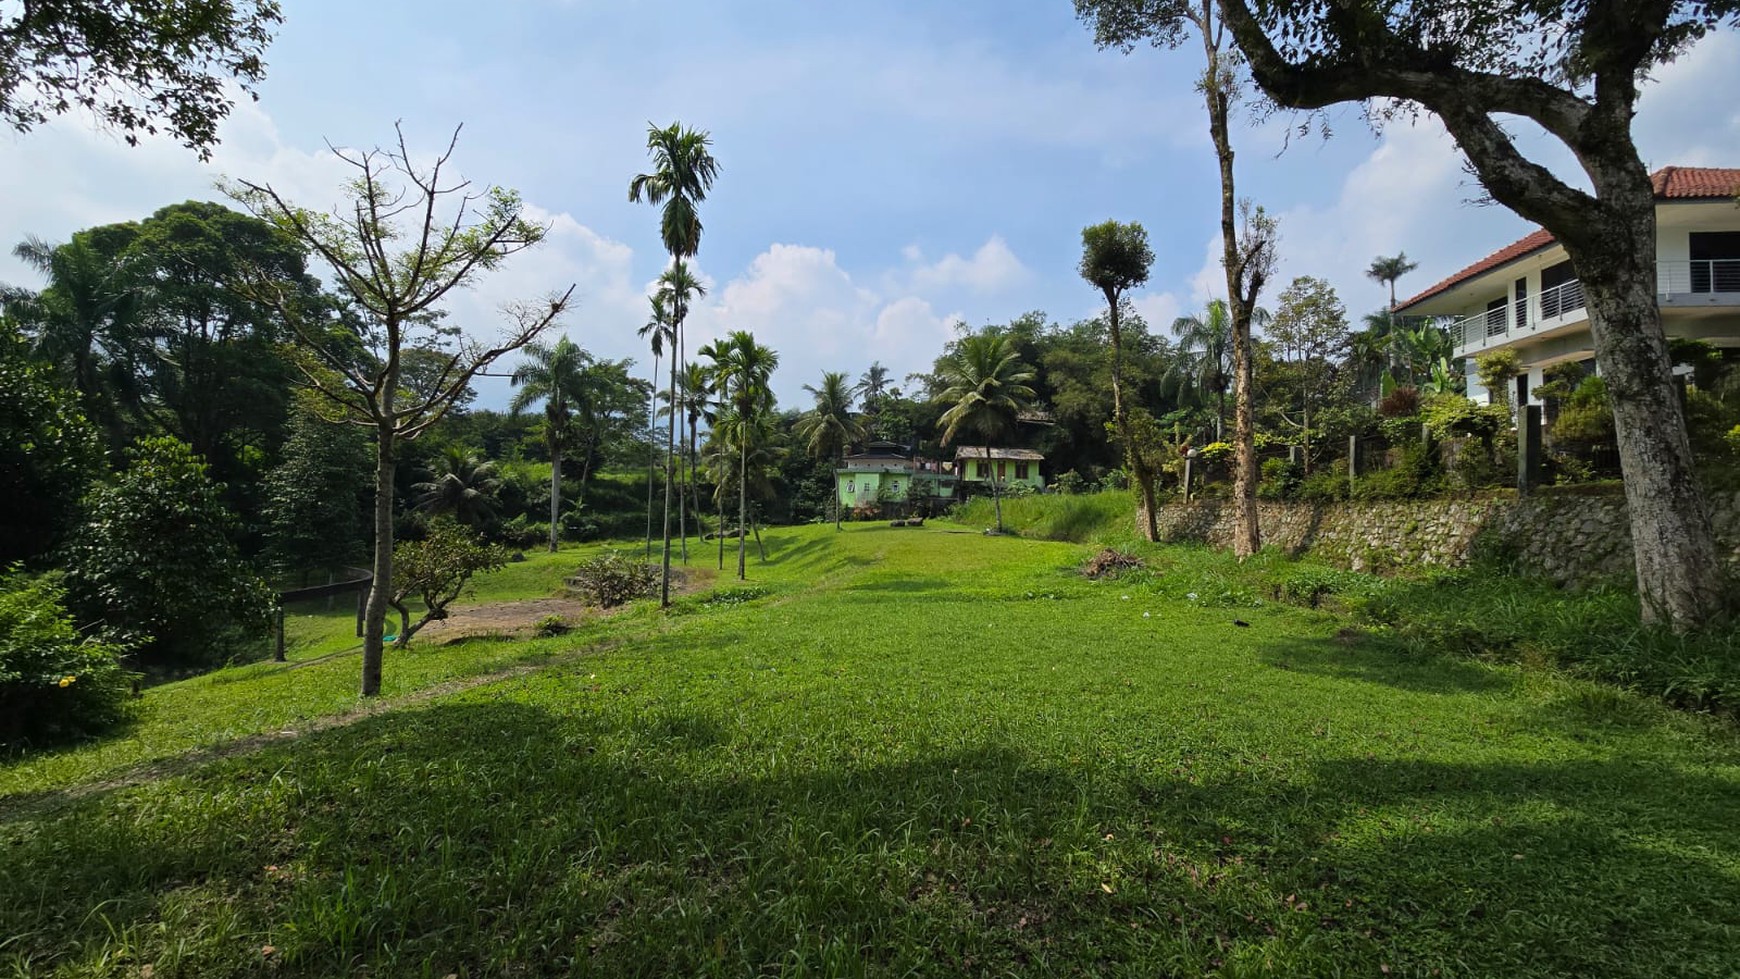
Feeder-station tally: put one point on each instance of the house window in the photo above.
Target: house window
(894, 487)
(1520, 312)
(1021, 470)
(1561, 293)
(1495, 318)
(851, 487)
(1002, 469)
(984, 470)
(1715, 261)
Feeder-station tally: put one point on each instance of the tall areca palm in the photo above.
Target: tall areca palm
(739, 454)
(1387, 271)
(661, 334)
(694, 393)
(829, 428)
(683, 172)
(555, 375)
(679, 289)
(744, 369)
(986, 387)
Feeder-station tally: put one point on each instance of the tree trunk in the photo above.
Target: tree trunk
(380, 589)
(652, 451)
(1673, 542)
(1132, 457)
(742, 495)
(695, 483)
(755, 524)
(721, 498)
(670, 458)
(1246, 538)
(996, 498)
(555, 492)
(839, 460)
(682, 479)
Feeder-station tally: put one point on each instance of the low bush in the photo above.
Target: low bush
(54, 684)
(610, 579)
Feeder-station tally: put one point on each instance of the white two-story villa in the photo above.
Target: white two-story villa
(1526, 296)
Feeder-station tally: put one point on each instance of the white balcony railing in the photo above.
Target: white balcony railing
(1564, 304)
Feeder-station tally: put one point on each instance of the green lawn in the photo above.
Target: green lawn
(920, 752)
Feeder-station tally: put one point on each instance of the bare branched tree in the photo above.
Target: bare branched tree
(408, 236)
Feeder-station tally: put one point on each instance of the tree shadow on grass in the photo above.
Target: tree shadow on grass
(1368, 659)
(490, 836)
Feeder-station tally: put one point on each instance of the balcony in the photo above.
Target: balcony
(1701, 283)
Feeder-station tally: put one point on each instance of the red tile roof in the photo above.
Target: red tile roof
(1670, 183)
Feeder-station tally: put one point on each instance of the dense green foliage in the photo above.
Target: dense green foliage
(48, 455)
(54, 683)
(155, 563)
(784, 780)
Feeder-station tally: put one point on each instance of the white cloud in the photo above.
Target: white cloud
(1158, 310)
(992, 268)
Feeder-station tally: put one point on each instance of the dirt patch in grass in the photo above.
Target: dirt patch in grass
(503, 620)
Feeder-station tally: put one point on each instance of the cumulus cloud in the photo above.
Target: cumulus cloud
(992, 268)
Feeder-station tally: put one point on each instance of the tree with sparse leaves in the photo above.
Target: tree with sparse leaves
(1115, 259)
(409, 236)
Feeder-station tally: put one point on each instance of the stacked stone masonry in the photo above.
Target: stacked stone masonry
(1571, 539)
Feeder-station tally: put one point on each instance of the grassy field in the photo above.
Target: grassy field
(903, 752)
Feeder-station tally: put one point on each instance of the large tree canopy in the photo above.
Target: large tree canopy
(139, 66)
(1575, 70)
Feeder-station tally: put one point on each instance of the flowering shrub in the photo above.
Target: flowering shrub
(54, 684)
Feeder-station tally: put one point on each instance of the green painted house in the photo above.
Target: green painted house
(886, 477)
(976, 464)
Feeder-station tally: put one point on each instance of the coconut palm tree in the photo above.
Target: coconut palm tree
(872, 385)
(555, 375)
(744, 369)
(1205, 356)
(683, 172)
(828, 429)
(1387, 271)
(986, 387)
(459, 484)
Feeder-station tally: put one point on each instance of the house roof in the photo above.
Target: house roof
(1669, 183)
(978, 452)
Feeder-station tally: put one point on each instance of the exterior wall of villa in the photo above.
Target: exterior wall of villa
(1571, 539)
(1033, 478)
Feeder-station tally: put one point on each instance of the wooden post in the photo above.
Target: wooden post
(278, 652)
(1189, 466)
(1352, 461)
(1528, 448)
(362, 600)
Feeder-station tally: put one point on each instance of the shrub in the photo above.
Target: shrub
(1215, 453)
(1326, 485)
(610, 579)
(578, 525)
(1451, 415)
(1496, 369)
(155, 564)
(54, 684)
(1280, 479)
(1415, 476)
(523, 532)
(435, 570)
(48, 454)
(1070, 482)
(1400, 403)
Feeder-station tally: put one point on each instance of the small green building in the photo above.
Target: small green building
(886, 477)
(976, 463)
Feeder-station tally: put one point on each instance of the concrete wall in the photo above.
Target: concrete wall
(1572, 539)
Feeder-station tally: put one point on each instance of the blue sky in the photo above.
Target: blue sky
(887, 168)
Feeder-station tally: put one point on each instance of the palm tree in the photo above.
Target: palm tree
(694, 390)
(873, 384)
(987, 386)
(678, 288)
(1388, 270)
(92, 302)
(741, 456)
(744, 369)
(1205, 355)
(662, 335)
(829, 428)
(555, 375)
(460, 484)
(683, 173)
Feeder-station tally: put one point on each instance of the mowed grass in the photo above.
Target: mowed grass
(920, 752)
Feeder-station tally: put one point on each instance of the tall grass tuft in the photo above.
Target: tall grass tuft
(1078, 518)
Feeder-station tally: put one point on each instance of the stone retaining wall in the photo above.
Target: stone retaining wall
(1572, 539)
